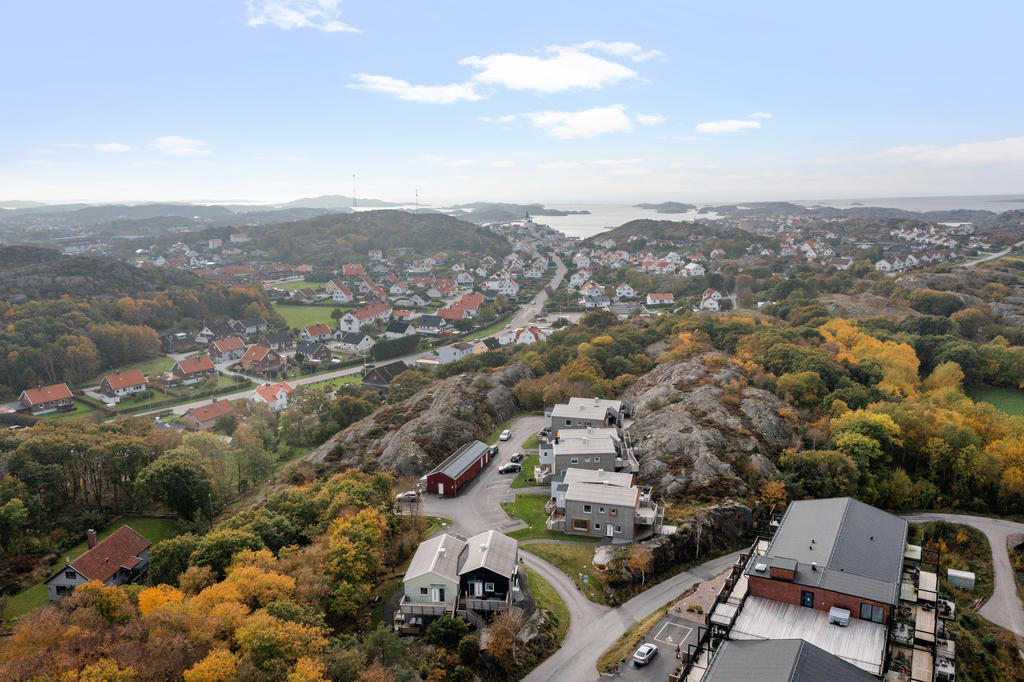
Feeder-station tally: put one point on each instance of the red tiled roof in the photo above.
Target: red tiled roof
(319, 329)
(229, 344)
(368, 311)
(132, 377)
(352, 269)
(661, 297)
(120, 548)
(255, 354)
(270, 391)
(47, 394)
(452, 313)
(203, 363)
(215, 410)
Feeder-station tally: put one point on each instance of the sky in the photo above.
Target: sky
(559, 101)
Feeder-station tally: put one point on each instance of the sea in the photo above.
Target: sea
(603, 217)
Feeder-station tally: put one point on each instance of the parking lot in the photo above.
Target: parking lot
(667, 634)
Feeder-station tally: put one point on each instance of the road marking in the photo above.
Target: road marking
(673, 638)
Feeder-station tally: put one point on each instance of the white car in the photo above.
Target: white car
(645, 654)
(505, 435)
(407, 496)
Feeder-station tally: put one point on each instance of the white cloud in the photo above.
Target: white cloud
(323, 15)
(100, 147)
(179, 146)
(615, 162)
(1010, 149)
(566, 68)
(573, 125)
(730, 126)
(499, 119)
(629, 171)
(760, 114)
(436, 94)
(502, 164)
(551, 165)
(621, 49)
(649, 119)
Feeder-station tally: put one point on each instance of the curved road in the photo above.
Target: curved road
(1004, 608)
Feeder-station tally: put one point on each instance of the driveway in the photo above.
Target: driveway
(477, 507)
(1004, 608)
(670, 632)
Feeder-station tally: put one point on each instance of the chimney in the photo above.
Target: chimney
(589, 429)
(440, 551)
(483, 547)
(597, 402)
(90, 538)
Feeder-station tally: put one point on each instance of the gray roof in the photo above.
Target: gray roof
(598, 477)
(397, 327)
(858, 549)
(354, 338)
(780, 660)
(584, 446)
(580, 411)
(430, 321)
(602, 494)
(308, 347)
(616, 405)
(492, 550)
(567, 433)
(429, 558)
(461, 459)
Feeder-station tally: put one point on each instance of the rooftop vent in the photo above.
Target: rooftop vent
(814, 565)
(597, 402)
(483, 547)
(440, 551)
(760, 567)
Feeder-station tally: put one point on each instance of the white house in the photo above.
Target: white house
(693, 270)
(660, 299)
(355, 342)
(624, 291)
(274, 396)
(454, 352)
(884, 265)
(579, 278)
(357, 319)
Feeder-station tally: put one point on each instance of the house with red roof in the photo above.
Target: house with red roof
(352, 269)
(227, 349)
(357, 319)
(123, 383)
(192, 370)
(46, 399)
(119, 559)
(660, 299)
(205, 417)
(261, 359)
(316, 332)
(274, 396)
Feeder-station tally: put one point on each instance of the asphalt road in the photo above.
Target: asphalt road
(667, 634)
(532, 309)
(992, 256)
(478, 506)
(1004, 608)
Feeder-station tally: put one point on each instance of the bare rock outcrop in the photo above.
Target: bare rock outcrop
(415, 435)
(702, 430)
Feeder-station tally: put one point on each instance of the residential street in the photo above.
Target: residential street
(1004, 608)
(992, 256)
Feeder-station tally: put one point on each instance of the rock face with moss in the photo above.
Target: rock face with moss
(416, 434)
(703, 430)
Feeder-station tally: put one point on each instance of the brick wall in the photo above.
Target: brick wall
(788, 592)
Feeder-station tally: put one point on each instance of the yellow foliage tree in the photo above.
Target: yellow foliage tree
(218, 666)
(773, 494)
(104, 670)
(898, 361)
(153, 598)
(308, 670)
(259, 587)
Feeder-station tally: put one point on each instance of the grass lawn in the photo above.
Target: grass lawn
(81, 410)
(153, 529)
(1009, 400)
(626, 644)
(489, 331)
(532, 443)
(547, 598)
(529, 463)
(290, 454)
(136, 401)
(436, 524)
(297, 284)
(335, 384)
(156, 365)
(530, 508)
(574, 560)
(299, 316)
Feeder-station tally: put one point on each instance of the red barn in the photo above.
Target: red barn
(459, 469)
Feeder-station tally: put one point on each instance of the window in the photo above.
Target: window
(581, 525)
(70, 575)
(597, 460)
(873, 613)
(423, 591)
(488, 587)
(614, 511)
(601, 509)
(586, 459)
(807, 598)
(597, 526)
(61, 589)
(618, 529)
(586, 509)
(574, 460)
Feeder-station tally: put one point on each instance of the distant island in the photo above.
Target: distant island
(668, 207)
(486, 212)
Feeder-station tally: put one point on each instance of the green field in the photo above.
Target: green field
(1009, 400)
(548, 599)
(531, 461)
(81, 410)
(489, 331)
(153, 530)
(299, 316)
(530, 508)
(147, 367)
(299, 284)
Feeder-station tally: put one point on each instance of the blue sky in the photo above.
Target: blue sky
(550, 101)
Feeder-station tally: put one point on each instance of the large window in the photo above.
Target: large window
(872, 612)
(581, 525)
(586, 509)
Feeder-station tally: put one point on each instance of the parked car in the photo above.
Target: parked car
(493, 450)
(505, 435)
(645, 654)
(510, 468)
(407, 496)
(517, 457)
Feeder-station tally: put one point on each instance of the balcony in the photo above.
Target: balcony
(556, 521)
(412, 609)
(486, 605)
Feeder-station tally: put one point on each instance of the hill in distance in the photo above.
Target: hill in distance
(668, 207)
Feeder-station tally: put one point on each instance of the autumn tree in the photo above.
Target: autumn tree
(640, 558)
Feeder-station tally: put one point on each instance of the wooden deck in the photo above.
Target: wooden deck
(862, 642)
(924, 624)
(926, 587)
